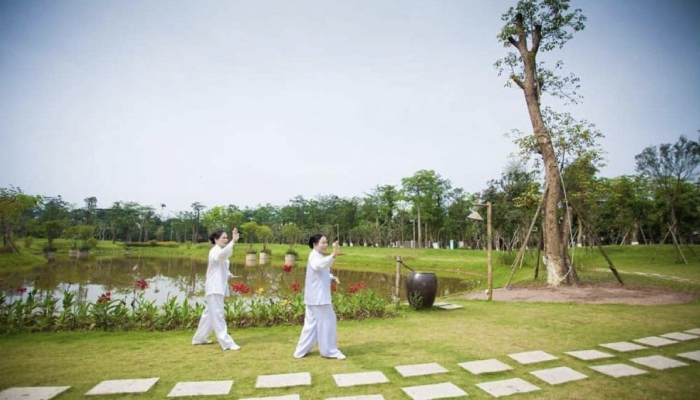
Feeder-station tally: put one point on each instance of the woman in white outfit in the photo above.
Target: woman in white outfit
(319, 321)
(215, 288)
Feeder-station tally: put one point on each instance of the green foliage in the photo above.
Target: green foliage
(28, 240)
(38, 312)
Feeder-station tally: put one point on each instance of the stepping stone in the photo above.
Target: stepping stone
(420, 369)
(531, 357)
(436, 391)
(659, 362)
(623, 346)
(359, 378)
(123, 386)
(204, 388)
(440, 303)
(587, 355)
(448, 306)
(693, 355)
(283, 380)
(366, 397)
(695, 331)
(679, 336)
(507, 387)
(655, 341)
(555, 376)
(32, 393)
(288, 397)
(618, 370)
(485, 366)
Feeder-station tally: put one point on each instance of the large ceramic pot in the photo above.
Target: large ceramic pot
(289, 259)
(264, 258)
(421, 288)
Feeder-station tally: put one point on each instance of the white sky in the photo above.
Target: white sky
(254, 102)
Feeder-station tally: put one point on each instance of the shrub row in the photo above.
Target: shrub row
(40, 312)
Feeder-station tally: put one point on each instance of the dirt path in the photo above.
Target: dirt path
(587, 294)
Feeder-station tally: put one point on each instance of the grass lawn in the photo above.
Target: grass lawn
(480, 330)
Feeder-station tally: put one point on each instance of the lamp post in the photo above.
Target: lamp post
(489, 275)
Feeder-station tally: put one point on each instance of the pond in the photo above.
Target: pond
(161, 279)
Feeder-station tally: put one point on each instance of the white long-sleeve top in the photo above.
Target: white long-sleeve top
(317, 290)
(217, 270)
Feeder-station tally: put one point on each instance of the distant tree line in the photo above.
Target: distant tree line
(664, 196)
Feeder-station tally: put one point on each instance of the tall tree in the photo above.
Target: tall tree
(14, 209)
(197, 208)
(669, 167)
(532, 27)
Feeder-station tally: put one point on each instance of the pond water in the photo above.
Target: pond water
(184, 278)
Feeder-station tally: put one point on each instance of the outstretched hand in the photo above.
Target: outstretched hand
(235, 235)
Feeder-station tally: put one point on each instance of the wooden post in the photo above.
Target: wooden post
(489, 247)
(398, 281)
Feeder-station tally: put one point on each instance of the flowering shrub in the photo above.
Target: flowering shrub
(287, 268)
(240, 288)
(356, 287)
(38, 312)
(142, 284)
(295, 286)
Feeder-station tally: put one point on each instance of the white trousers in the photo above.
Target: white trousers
(213, 321)
(319, 327)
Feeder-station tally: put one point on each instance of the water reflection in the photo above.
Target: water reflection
(184, 277)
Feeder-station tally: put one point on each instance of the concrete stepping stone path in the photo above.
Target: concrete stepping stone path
(618, 370)
(204, 388)
(507, 387)
(287, 397)
(658, 362)
(693, 355)
(485, 366)
(556, 376)
(695, 331)
(588, 355)
(532, 357)
(365, 397)
(420, 369)
(435, 391)
(122, 386)
(623, 346)
(679, 336)
(32, 393)
(655, 341)
(360, 378)
(283, 380)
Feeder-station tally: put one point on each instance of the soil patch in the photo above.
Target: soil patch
(585, 294)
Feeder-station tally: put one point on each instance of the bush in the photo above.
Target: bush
(28, 240)
(292, 252)
(152, 243)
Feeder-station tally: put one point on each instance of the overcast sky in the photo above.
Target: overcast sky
(254, 102)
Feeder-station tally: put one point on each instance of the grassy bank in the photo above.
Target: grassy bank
(480, 330)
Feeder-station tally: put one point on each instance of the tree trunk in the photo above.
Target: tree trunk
(554, 260)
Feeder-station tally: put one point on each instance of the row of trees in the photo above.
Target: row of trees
(425, 208)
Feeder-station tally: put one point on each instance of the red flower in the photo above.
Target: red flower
(287, 268)
(356, 287)
(22, 289)
(333, 288)
(142, 284)
(240, 288)
(295, 286)
(105, 298)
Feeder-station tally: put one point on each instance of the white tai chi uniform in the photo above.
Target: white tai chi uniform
(215, 288)
(320, 320)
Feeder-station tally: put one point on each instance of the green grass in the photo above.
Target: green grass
(480, 330)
